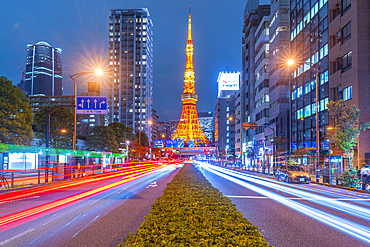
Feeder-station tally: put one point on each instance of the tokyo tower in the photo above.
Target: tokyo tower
(189, 128)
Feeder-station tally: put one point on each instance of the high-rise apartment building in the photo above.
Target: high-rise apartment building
(261, 84)
(251, 102)
(349, 65)
(164, 131)
(279, 38)
(206, 122)
(43, 70)
(154, 135)
(224, 127)
(131, 65)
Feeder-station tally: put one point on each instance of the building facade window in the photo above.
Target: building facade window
(346, 5)
(346, 32)
(347, 93)
(347, 61)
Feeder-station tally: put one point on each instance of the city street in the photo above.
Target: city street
(82, 212)
(296, 214)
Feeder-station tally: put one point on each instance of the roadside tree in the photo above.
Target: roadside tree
(15, 115)
(347, 128)
(102, 138)
(60, 119)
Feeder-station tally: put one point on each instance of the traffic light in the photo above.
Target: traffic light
(167, 150)
(206, 151)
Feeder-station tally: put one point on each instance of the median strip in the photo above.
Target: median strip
(191, 212)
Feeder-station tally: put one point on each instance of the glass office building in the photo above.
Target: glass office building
(43, 70)
(309, 48)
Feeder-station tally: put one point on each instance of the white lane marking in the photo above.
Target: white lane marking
(20, 199)
(85, 227)
(72, 220)
(17, 236)
(154, 184)
(302, 198)
(251, 197)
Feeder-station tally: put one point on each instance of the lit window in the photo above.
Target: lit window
(307, 111)
(324, 77)
(299, 92)
(300, 114)
(347, 93)
(347, 61)
(313, 106)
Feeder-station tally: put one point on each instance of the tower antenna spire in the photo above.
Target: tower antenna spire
(189, 24)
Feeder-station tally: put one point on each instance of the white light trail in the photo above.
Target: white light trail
(333, 203)
(349, 227)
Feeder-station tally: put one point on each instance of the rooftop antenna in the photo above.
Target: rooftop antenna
(23, 70)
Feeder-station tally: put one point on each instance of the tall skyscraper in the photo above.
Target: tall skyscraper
(251, 102)
(43, 70)
(131, 64)
(189, 128)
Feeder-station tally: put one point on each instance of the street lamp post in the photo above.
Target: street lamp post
(149, 123)
(231, 119)
(98, 72)
(318, 70)
(127, 143)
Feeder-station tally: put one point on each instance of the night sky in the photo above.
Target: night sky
(80, 28)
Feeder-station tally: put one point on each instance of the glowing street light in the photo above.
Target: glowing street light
(63, 131)
(290, 62)
(99, 72)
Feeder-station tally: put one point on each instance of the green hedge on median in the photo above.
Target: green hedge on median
(191, 212)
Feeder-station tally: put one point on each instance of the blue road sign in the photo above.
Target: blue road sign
(92, 105)
(178, 144)
(158, 144)
(190, 144)
(169, 144)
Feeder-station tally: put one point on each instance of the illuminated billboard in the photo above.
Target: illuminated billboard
(228, 81)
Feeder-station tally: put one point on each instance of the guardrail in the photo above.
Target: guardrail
(20, 178)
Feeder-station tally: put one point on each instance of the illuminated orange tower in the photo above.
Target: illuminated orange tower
(189, 127)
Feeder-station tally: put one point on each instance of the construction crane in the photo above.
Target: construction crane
(23, 70)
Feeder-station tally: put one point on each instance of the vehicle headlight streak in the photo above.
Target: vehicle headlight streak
(344, 225)
(325, 201)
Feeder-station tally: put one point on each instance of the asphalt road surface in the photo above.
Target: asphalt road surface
(95, 211)
(296, 214)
